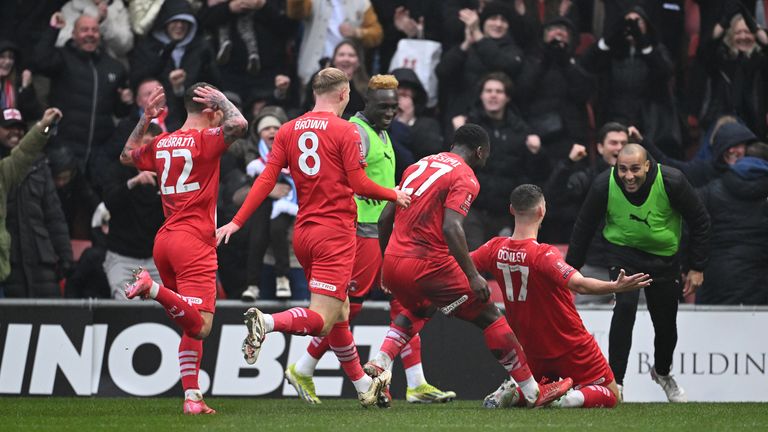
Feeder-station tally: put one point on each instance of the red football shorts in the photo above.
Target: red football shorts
(367, 267)
(585, 364)
(188, 266)
(326, 255)
(419, 283)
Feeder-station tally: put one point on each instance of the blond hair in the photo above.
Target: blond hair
(327, 80)
(383, 82)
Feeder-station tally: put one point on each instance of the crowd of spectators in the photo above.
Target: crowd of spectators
(560, 86)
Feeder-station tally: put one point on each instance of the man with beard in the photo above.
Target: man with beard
(644, 206)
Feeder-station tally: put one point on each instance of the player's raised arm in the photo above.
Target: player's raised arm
(453, 231)
(233, 124)
(586, 285)
(154, 107)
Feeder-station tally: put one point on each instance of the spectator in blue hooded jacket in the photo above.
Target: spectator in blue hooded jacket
(728, 146)
(739, 238)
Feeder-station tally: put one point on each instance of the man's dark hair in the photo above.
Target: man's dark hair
(610, 127)
(471, 136)
(189, 104)
(525, 198)
(758, 149)
(500, 77)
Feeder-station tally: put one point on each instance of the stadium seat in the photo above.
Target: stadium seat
(78, 246)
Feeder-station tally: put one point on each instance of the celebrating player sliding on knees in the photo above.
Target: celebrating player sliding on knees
(324, 155)
(537, 285)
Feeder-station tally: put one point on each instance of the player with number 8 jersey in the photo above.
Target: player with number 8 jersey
(187, 164)
(325, 157)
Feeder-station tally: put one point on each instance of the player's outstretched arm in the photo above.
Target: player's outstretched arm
(154, 107)
(453, 232)
(586, 285)
(233, 124)
(259, 191)
(366, 187)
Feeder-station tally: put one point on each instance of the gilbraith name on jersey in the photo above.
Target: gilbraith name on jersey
(310, 124)
(176, 141)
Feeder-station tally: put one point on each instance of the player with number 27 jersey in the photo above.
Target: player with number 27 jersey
(187, 162)
(435, 183)
(418, 267)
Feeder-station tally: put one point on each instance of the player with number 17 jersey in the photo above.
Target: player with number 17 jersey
(534, 279)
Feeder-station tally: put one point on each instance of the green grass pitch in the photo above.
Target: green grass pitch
(164, 414)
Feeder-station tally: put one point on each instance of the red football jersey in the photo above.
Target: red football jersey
(187, 167)
(435, 183)
(539, 306)
(320, 148)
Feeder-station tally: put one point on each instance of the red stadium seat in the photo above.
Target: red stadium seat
(78, 246)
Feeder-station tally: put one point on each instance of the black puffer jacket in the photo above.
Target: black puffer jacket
(739, 211)
(633, 86)
(551, 86)
(39, 236)
(85, 87)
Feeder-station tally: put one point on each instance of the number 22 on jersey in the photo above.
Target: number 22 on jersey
(514, 275)
(440, 168)
(181, 185)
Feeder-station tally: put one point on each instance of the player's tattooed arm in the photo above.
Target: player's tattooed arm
(233, 124)
(134, 141)
(155, 106)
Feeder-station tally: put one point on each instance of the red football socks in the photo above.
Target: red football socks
(411, 354)
(598, 397)
(298, 321)
(342, 344)
(505, 347)
(190, 354)
(319, 345)
(181, 312)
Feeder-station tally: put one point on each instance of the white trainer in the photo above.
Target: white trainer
(506, 396)
(674, 392)
(250, 294)
(378, 384)
(621, 392)
(254, 321)
(282, 287)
